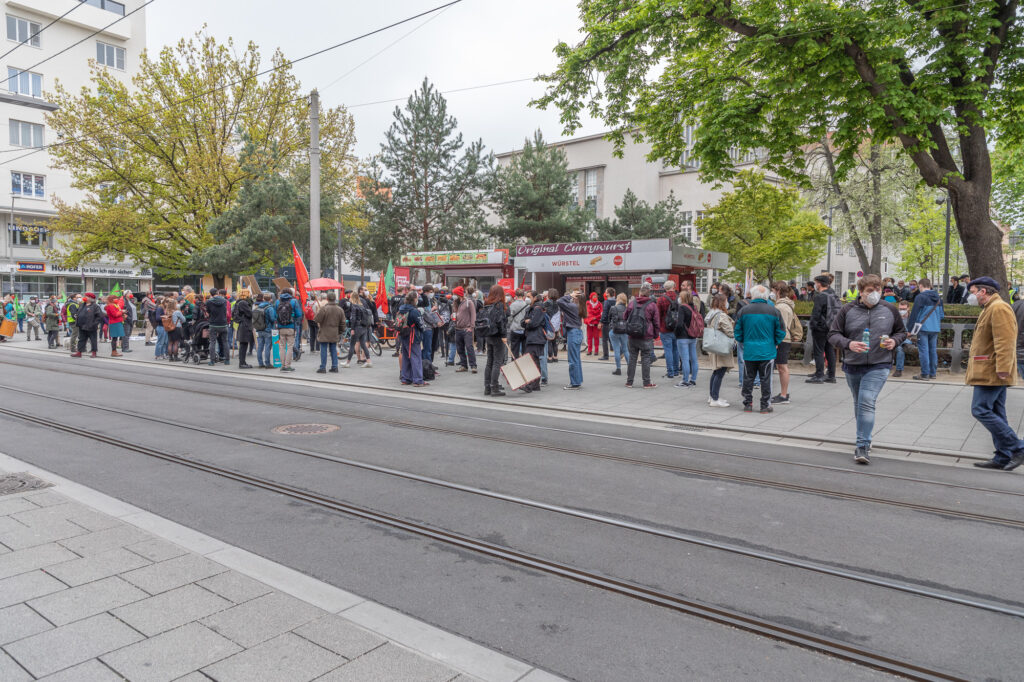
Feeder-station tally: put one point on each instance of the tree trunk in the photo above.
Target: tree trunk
(218, 281)
(982, 240)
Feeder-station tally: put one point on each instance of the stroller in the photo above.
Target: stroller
(195, 347)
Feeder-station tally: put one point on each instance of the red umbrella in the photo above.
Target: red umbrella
(324, 284)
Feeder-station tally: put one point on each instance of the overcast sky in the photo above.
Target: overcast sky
(475, 42)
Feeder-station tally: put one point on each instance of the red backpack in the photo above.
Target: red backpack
(696, 327)
(309, 312)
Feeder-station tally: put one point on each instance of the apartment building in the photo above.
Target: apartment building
(35, 57)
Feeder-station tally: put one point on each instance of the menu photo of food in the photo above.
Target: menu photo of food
(430, 258)
(596, 260)
(442, 258)
(481, 257)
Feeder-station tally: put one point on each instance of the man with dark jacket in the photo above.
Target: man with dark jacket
(330, 322)
(465, 323)
(88, 319)
(609, 303)
(867, 364)
(759, 327)
(217, 308)
(642, 347)
(826, 305)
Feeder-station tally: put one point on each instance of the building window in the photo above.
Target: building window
(839, 278)
(702, 283)
(22, 31)
(590, 193)
(851, 250)
(28, 185)
(37, 237)
(110, 55)
(24, 82)
(24, 134)
(851, 280)
(839, 247)
(27, 286)
(109, 5)
(574, 190)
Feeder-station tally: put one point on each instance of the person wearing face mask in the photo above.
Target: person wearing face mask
(594, 310)
(991, 367)
(867, 330)
(928, 311)
(901, 349)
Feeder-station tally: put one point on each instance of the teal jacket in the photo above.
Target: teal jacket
(759, 328)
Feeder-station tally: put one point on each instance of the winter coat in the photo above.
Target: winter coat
(331, 322)
(789, 318)
(609, 303)
(51, 315)
(517, 312)
(533, 324)
(664, 304)
(296, 312)
(759, 328)
(34, 309)
(853, 319)
(217, 308)
(89, 316)
(993, 346)
(243, 316)
(650, 312)
(594, 312)
(721, 321)
(465, 315)
(685, 316)
(923, 305)
(115, 314)
(819, 314)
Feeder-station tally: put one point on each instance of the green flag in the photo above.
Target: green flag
(389, 279)
(17, 306)
(116, 291)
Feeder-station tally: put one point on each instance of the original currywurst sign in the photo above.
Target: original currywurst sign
(575, 249)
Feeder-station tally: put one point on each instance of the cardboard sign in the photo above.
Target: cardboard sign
(281, 283)
(250, 282)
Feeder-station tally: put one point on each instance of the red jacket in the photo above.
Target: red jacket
(664, 303)
(594, 311)
(114, 313)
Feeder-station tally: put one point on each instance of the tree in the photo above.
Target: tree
(1008, 185)
(779, 76)
(637, 219)
(763, 229)
(870, 204)
(425, 192)
(532, 196)
(160, 159)
(923, 252)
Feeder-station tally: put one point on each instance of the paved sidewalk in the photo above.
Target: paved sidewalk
(913, 416)
(87, 596)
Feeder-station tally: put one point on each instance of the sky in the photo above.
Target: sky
(473, 43)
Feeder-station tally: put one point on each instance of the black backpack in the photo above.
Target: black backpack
(259, 319)
(672, 314)
(618, 320)
(636, 322)
(402, 326)
(284, 312)
(486, 324)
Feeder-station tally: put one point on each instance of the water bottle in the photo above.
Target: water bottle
(865, 338)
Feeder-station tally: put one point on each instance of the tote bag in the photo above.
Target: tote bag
(715, 341)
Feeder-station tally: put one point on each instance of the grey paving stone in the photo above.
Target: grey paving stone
(13, 505)
(25, 586)
(86, 600)
(46, 498)
(156, 549)
(172, 654)
(105, 540)
(11, 671)
(171, 609)
(89, 518)
(235, 586)
(392, 663)
(167, 575)
(38, 527)
(287, 658)
(30, 559)
(19, 621)
(90, 671)
(193, 677)
(63, 647)
(335, 633)
(102, 565)
(262, 618)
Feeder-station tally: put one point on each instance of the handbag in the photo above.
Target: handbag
(715, 341)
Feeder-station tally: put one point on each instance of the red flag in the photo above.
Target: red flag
(301, 275)
(382, 295)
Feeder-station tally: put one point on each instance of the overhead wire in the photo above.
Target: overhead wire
(40, 31)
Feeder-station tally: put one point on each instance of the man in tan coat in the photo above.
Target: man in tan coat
(991, 368)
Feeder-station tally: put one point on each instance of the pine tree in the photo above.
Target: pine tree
(427, 191)
(532, 196)
(637, 219)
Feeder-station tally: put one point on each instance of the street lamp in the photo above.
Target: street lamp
(945, 270)
(828, 252)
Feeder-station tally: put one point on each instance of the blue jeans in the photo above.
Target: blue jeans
(620, 345)
(452, 348)
(324, 348)
(428, 344)
(672, 363)
(411, 371)
(573, 340)
(686, 351)
(161, 341)
(988, 405)
(544, 365)
(264, 346)
(901, 356)
(926, 349)
(865, 389)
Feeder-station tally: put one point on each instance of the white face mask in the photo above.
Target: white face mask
(430, 296)
(772, 296)
(972, 300)
(873, 298)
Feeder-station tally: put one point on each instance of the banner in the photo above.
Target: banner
(301, 274)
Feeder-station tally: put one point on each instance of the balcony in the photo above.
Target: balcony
(90, 14)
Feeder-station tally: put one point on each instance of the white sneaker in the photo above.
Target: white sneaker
(367, 365)
(345, 365)
(719, 403)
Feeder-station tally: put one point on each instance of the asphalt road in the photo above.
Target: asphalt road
(570, 629)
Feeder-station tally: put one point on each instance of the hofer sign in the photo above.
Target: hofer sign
(624, 255)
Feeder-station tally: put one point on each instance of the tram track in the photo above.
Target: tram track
(754, 624)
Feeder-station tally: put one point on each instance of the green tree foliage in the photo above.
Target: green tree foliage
(762, 228)
(159, 158)
(1008, 186)
(923, 251)
(532, 197)
(780, 76)
(426, 189)
(637, 219)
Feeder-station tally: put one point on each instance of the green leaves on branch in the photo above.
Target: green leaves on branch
(923, 251)
(762, 228)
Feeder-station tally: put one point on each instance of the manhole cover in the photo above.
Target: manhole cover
(304, 429)
(20, 483)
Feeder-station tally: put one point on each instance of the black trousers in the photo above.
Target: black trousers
(537, 351)
(604, 341)
(243, 351)
(761, 369)
(51, 338)
(219, 337)
(517, 342)
(464, 347)
(89, 335)
(824, 354)
(313, 344)
(128, 327)
(644, 350)
(496, 356)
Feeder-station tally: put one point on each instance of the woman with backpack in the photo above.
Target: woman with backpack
(689, 327)
(719, 320)
(359, 321)
(617, 332)
(244, 335)
(492, 325)
(174, 319)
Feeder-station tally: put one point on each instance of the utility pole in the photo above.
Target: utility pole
(828, 255)
(945, 269)
(338, 272)
(314, 185)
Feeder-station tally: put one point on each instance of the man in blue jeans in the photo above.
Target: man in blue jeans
(667, 302)
(867, 365)
(927, 312)
(569, 305)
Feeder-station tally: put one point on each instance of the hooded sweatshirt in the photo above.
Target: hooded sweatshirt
(296, 311)
(924, 304)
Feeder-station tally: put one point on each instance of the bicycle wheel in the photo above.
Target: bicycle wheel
(375, 345)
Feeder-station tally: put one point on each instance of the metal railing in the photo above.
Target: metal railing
(956, 351)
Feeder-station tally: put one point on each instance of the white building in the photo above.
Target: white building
(35, 60)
